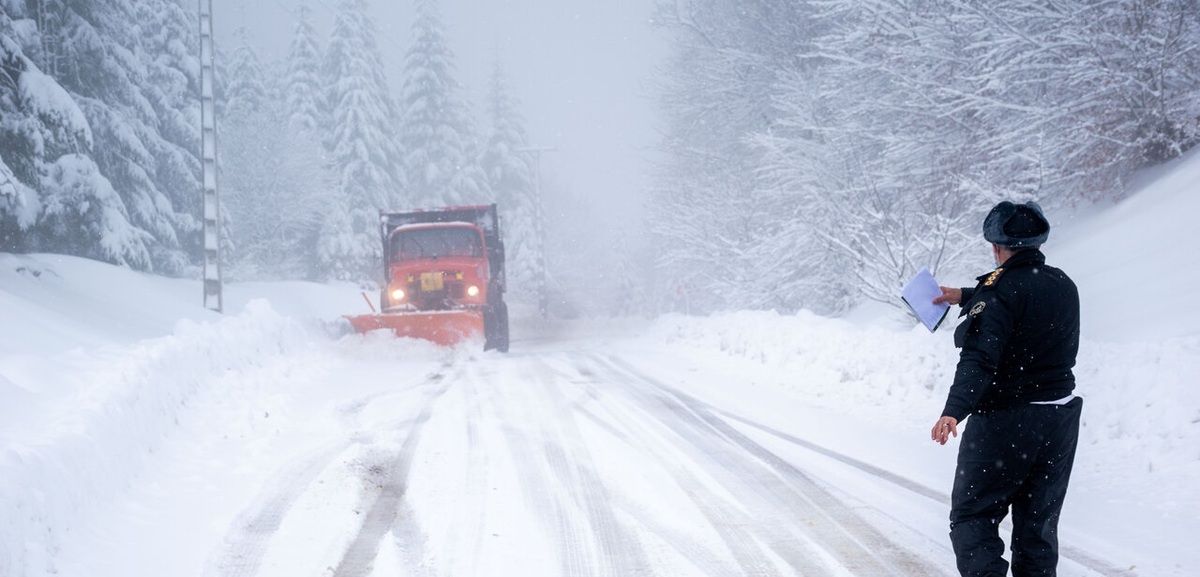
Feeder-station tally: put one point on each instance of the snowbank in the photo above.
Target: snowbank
(1141, 409)
(78, 429)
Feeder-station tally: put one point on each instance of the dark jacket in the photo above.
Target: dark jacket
(1019, 338)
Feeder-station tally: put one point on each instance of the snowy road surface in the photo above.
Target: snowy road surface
(551, 463)
(577, 457)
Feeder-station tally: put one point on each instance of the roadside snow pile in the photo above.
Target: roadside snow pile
(78, 429)
(1140, 415)
(831, 362)
(1141, 402)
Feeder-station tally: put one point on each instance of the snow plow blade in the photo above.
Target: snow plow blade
(446, 328)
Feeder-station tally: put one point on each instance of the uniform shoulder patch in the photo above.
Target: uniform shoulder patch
(977, 308)
(991, 279)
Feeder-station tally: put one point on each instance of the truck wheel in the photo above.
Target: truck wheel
(495, 327)
(502, 328)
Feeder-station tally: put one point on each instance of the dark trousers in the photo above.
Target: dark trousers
(1020, 459)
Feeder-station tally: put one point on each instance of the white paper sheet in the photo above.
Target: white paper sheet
(919, 293)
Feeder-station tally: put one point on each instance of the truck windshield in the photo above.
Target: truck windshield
(421, 243)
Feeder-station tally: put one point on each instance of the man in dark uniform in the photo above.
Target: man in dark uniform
(1019, 340)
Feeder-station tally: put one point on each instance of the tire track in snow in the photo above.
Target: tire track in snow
(636, 425)
(636, 430)
(816, 515)
(381, 517)
(559, 478)
(642, 425)
(665, 430)
(571, 462)
(244, 548)
(468, 539)
(1083, 558)
(529, 467)
(246, 545)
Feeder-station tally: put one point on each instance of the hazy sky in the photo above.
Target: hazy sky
(580, 68)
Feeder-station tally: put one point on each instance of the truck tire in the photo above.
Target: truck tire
(495, 327)
(502, 340)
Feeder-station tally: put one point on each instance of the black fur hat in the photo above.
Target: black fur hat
(1016, 225)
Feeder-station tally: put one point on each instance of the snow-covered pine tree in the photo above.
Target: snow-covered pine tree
(361, 149)
(306, 166)
(84, 216)
(246, 135)
(506, 162)
(245, 89)
(21, 135)
(440, 156)
(102, 59)
(170, 32)
(306, 105)
(52, 197)
(18, 206)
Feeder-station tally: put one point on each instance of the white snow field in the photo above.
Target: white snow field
(143, 435)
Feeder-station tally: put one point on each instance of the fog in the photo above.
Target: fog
(580, 70)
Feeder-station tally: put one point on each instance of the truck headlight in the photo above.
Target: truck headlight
(473, 291)
(398, 295)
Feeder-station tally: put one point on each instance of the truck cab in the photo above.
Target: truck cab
(436, 266)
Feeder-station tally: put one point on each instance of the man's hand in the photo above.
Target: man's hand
(943, 428)
(949, 295)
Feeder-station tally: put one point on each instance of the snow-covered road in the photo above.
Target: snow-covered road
(166, 440)
(546, 462)
(366, 455)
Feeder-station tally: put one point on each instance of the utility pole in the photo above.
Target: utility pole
(208, 129)
(539, 226)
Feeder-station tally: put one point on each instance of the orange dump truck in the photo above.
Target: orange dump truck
(443, 277)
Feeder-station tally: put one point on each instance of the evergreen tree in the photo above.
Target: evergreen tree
(308, 118)
(19, 207)
(361, 149)
(305, 102)
(511, 177)
(20, 133)
(52, 197)
(436, 135)
(173, 81)
(245, 91)
(83, 215)
(103, 61)
(247, 133)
